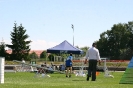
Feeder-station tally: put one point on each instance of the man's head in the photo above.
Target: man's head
(94, 44)
(70, 54)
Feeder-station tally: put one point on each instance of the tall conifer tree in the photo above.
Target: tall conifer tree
(20, 46)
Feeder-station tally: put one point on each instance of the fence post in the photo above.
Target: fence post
(2, 65)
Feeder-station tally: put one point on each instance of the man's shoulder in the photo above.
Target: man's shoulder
(90, 48)
(96, 49)
(93, 48)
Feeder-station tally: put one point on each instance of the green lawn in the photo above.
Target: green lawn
(27, 80)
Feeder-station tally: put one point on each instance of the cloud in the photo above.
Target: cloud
(7, 41)
(38, 44)
(42, 45)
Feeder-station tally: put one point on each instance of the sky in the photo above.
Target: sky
(48, 22)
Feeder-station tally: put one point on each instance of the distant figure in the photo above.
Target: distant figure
(69, 65)
(52, 65)
(50, 70)
(41, 70)
(93, 56)
(42, 65)
(23, 62)
(45, 64)
(62, 67)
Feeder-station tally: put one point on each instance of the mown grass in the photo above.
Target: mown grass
(27, 80)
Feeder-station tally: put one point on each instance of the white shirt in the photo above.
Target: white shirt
(23, 61)
(93, 54)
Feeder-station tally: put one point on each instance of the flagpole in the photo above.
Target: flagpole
(73, 34)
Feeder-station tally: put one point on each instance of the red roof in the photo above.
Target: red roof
(9, 51)
(38, 52)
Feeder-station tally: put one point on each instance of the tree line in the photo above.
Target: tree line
(115, 44)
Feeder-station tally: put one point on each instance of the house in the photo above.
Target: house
(38, 52)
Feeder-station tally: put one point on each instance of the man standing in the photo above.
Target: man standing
(93, 57)
(23, 62)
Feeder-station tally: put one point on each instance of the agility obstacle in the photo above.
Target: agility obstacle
(127, 77)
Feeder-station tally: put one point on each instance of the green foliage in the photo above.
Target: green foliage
(84, 50)
(51, 57)
(33, 55)
(43, 54)
(2, 50)
(20, 47)
(117, 42)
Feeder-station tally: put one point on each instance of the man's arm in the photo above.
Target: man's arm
(99, 62)
(85, 61)
(98, 56)
(86, 57)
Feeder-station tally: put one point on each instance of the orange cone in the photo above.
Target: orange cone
(97, 73)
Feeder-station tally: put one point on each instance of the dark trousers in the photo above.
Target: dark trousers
(92, 69)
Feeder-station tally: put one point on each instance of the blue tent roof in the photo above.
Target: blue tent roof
(64, 47)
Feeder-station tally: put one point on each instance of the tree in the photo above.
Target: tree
(84, 50)
(51, 57)
(33, 55)
(20, 47)
(115, 43)
(130, 28)
(43, 54)
(2, 50)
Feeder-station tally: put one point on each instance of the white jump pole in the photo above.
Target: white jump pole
(107, 74)
(2, 65)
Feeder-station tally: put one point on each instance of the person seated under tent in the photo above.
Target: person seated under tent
(45, 64)
(52, 65)
(56, 67)
(50, 70)
(62, 67)
(41, 70)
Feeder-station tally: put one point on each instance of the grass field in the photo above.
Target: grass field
(27, 80)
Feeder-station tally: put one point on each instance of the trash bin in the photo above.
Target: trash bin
(33, 62)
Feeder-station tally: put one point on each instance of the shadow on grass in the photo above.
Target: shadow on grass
(78, 80)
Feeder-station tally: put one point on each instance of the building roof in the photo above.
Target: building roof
(38, 52)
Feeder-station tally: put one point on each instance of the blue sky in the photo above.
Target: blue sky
(48, 22)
